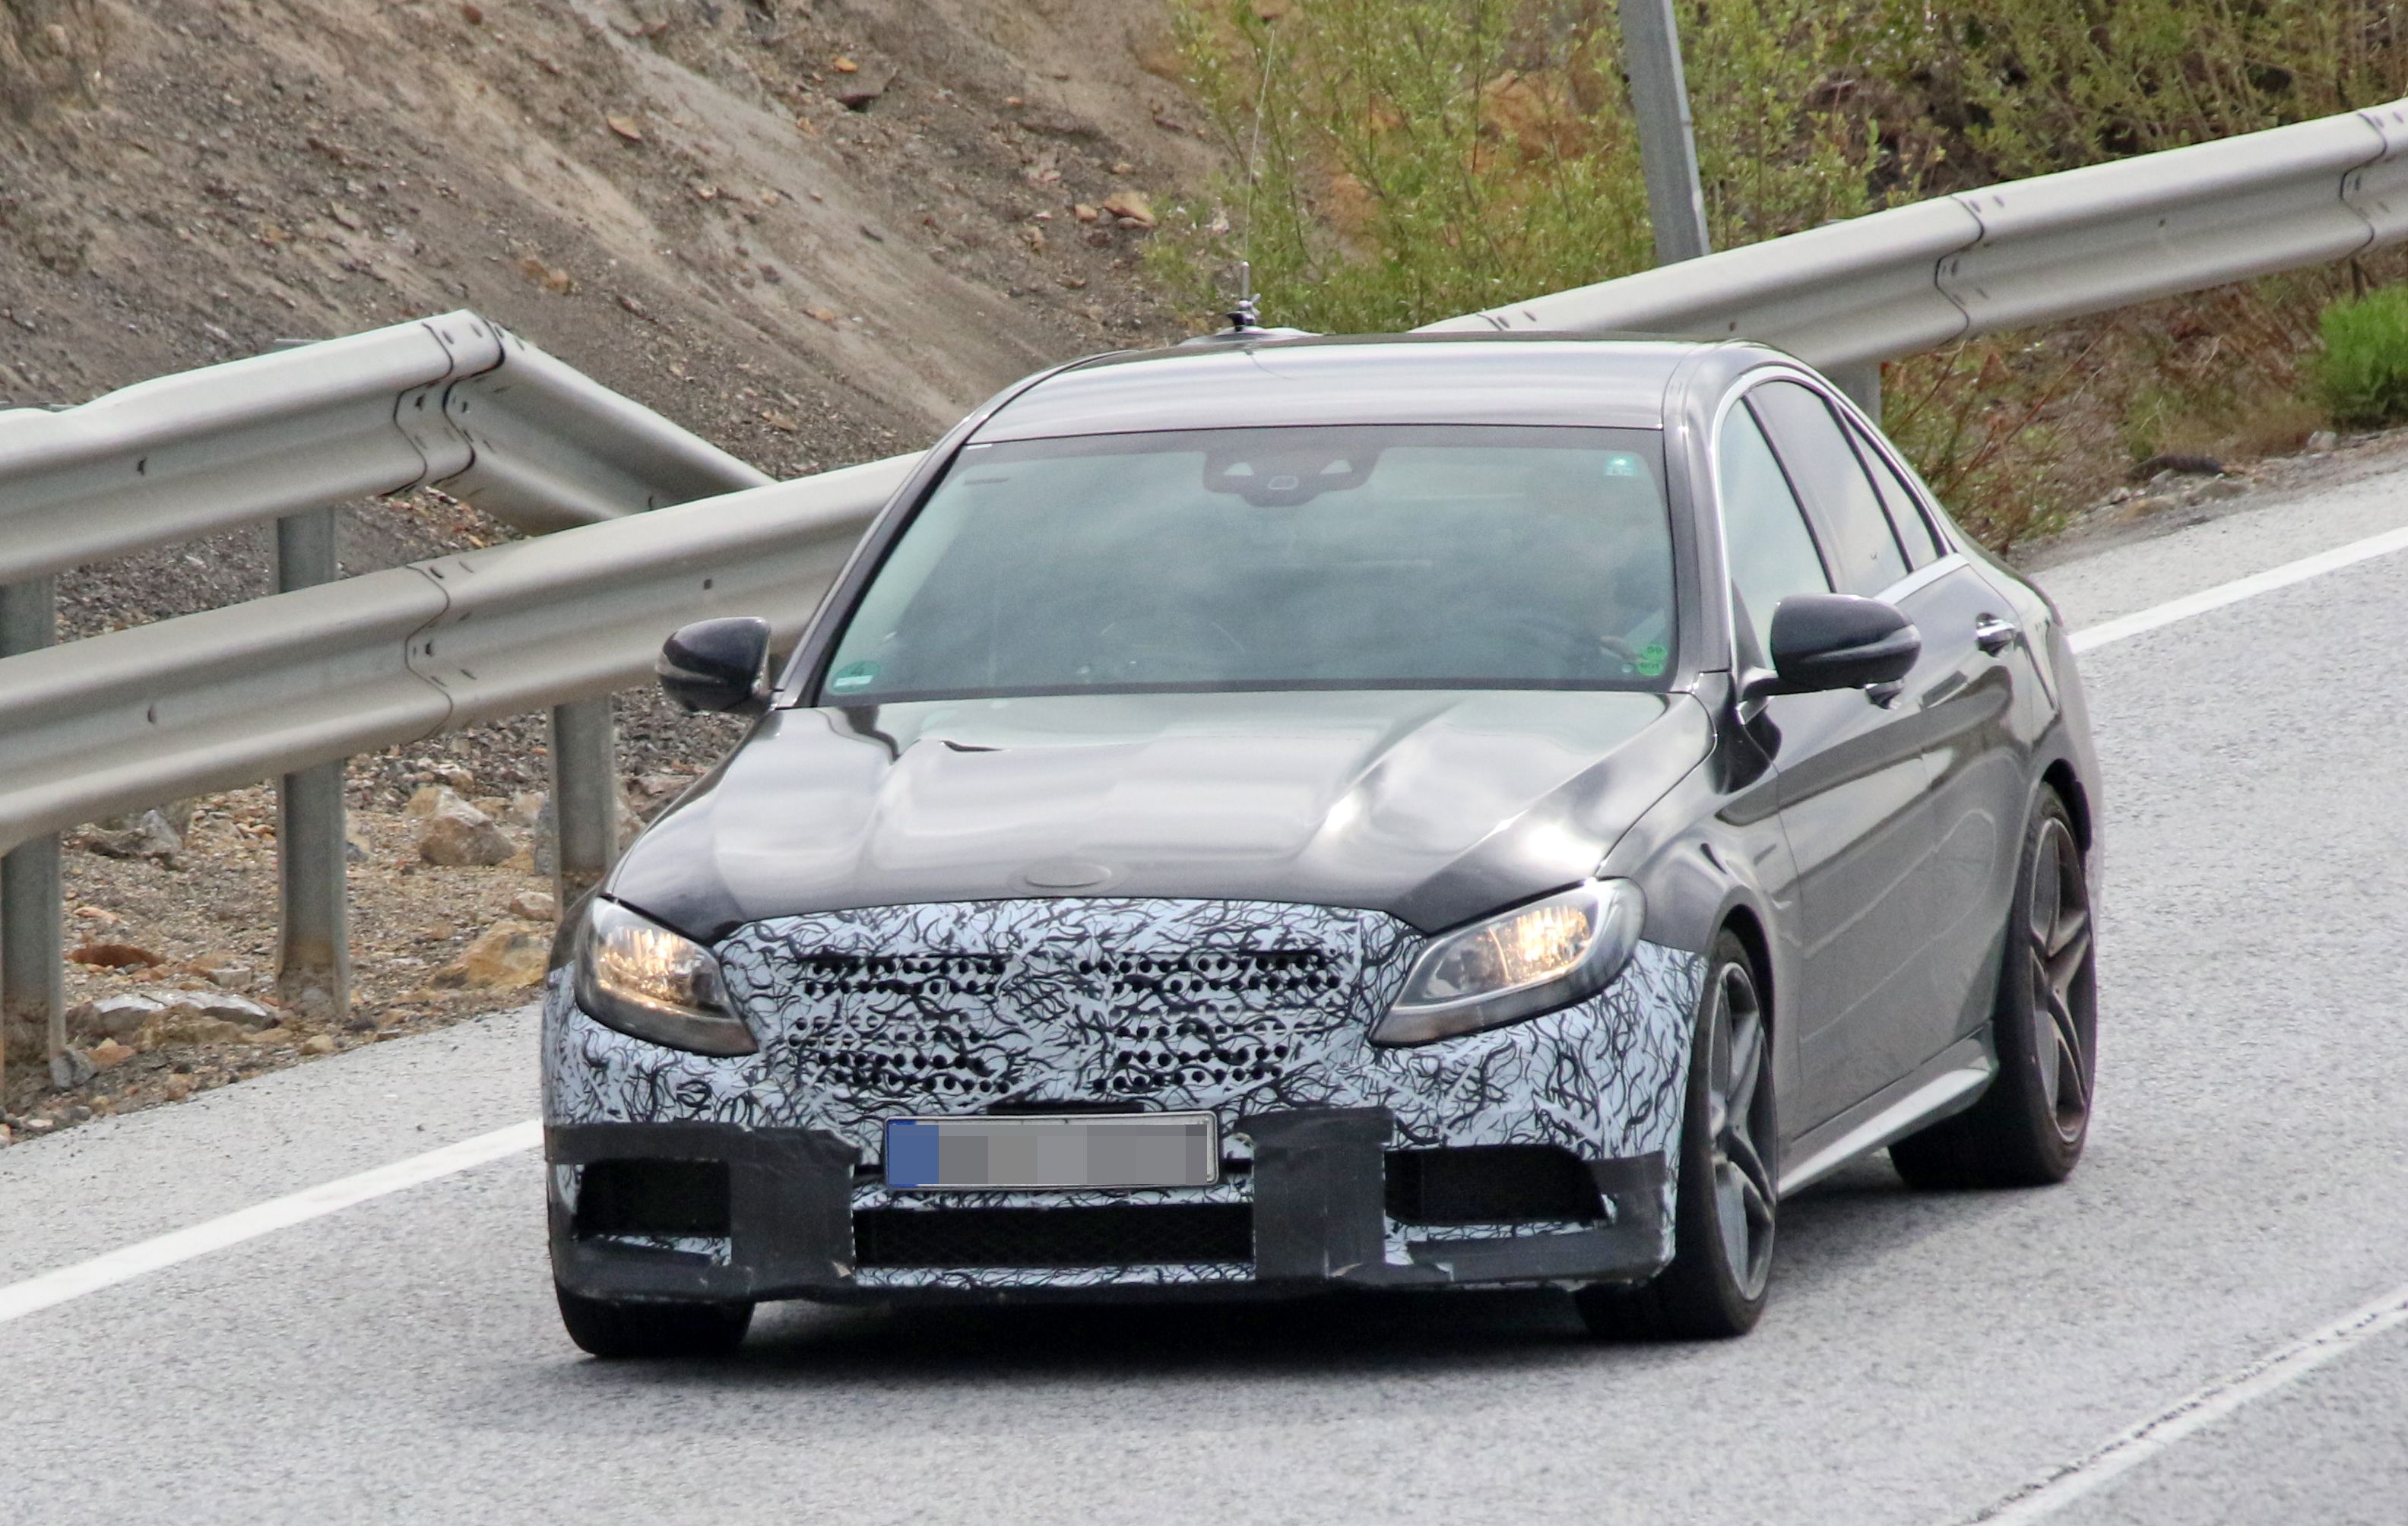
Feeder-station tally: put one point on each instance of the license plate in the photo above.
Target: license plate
(1102, 1150)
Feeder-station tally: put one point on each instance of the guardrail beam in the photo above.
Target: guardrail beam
(314, 951)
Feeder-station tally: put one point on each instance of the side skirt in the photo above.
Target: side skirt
(1949, 1082)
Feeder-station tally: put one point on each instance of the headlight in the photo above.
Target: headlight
(639, 978)
(1533, 959)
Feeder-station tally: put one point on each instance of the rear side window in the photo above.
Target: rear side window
(1865, 553)
(1771, 548)
(1906, 513)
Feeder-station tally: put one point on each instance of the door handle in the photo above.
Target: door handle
(1995, 636)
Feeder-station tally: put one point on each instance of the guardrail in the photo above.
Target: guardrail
(303, 678)
(2055, 247)
(453, 401)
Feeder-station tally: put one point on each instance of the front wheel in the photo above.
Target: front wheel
(2028, 1128)
(1722, 1217)
(611, 1329)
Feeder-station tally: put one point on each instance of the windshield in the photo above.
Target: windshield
(1361, 557)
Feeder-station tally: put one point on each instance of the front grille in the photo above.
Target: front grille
(1171, 1234)
(1185, 982)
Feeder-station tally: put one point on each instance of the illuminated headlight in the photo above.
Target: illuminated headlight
(1517, 965)
(639, 978)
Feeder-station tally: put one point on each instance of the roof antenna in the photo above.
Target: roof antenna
(1245, 317)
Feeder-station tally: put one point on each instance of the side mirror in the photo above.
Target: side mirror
(717, 665)
(1824, 641)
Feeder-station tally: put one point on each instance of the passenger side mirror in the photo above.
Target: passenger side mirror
(1824, 641)
(718, 665)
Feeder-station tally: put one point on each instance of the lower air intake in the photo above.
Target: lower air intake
(1171, 1234)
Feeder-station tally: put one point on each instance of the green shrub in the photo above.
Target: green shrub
(2362, 375)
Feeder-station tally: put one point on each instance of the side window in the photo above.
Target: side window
(1771, 550)
(1865, 554)
(1913, 526)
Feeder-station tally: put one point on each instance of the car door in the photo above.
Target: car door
(1976, 713)
(1850, 785)
(1857, 796)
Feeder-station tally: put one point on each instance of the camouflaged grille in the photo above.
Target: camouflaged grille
(1173, 982)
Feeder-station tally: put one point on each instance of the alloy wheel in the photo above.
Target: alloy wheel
(2057, 928)
(1739, 1110)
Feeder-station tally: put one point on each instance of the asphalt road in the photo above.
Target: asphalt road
(1925, 1359)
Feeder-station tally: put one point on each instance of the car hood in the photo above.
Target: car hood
(1435, 807)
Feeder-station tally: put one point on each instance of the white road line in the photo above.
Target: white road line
(2046, 1496)
(68, 1282)
(41, 1292)
(2243, 587)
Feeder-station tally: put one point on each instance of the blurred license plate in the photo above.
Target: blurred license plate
(1107, 1149)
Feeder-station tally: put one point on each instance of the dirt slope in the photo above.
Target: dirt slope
(813, 233)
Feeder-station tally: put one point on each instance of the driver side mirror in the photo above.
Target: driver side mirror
(1826, 641)
(718, 665)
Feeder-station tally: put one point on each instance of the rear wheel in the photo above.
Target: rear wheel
(608, 1328)
(2028, 1128)
(1723, 1219)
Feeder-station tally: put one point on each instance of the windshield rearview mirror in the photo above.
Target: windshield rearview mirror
(717, 665)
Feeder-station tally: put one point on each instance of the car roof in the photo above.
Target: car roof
(1401, 378)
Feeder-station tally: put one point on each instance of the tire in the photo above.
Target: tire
(2027, 1129)
(611, 1329)
(1722, 1217)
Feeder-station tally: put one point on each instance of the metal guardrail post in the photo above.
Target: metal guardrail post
(1668, 145)
(584, 797)
(33, 976)
(1862, 383)
(314, 944)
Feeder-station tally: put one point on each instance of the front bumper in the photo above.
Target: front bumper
(1257, 1012)
(1312, 1207)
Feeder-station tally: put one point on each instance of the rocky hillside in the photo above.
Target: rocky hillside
(812, 231)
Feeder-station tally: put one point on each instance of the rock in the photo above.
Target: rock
(493, 806)
(457, 833)
(99, 915)
(504, 957)
(314, 1003)
(430, 798)
(826, 314)
(2222, 487)
(79, 1113)
(625, 127)
(472, 14)
(458, 777)
(318, 1043)
(536, 905)
(226, 1005)
(1130, 206)
(2322, 441)
(844, 66)
(232, 976)
(1085, 213)
(113, 956)
(107, 1054)
(525, 809)
(40, 1125)
(69, 1069)
(863, 89)
(2148, 504)
(150, 835)
(118, 1018)
(355, 847)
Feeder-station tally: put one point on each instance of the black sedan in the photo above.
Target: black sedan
(1283, 815)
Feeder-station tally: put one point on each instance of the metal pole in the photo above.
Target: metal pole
(584, 797)
(314, 944)
(33, 971)
(1660, 99)
(1861, 382)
